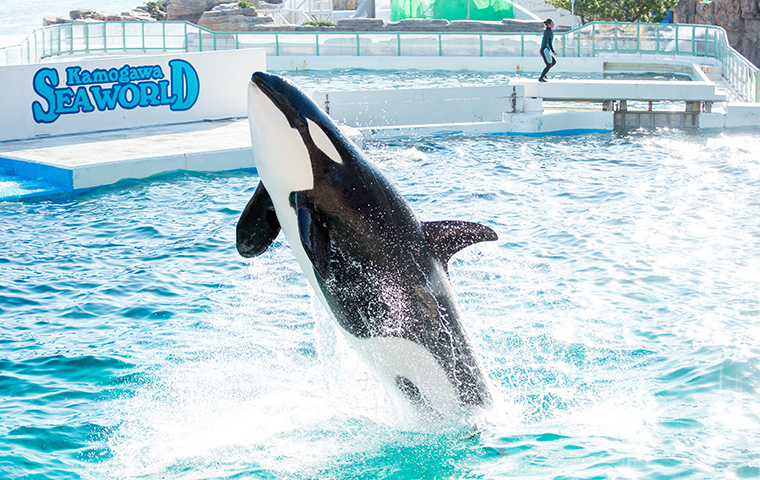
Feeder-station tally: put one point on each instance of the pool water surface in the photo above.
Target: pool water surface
(617, 318)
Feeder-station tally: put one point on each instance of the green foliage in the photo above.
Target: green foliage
(619, 10)
(244, 4)
(321, 23)
(155, 10)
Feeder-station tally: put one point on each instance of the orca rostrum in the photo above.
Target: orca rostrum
(379, 271)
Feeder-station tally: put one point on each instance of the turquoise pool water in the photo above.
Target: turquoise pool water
(618, 319)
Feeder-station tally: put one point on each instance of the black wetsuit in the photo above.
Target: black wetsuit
(546, 47)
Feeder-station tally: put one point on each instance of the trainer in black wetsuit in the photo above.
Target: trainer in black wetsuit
(547, 49)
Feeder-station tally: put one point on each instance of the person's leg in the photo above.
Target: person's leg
(546, 56)
(548, 67)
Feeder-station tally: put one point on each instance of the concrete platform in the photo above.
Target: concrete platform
(79, 162)
(603, 90)
(524, 124)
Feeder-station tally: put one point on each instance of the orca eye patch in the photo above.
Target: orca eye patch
(323, 142)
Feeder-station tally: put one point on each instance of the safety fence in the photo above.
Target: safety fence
(586, 41)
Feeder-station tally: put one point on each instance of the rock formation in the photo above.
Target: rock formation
(139, 14)
(191, 10)
(740, 18)
(229, 17)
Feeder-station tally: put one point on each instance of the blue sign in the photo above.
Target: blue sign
(126, 87)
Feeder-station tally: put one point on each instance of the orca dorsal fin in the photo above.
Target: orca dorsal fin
(258, 225)
(448, 237)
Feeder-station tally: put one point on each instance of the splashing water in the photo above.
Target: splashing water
(617, 319)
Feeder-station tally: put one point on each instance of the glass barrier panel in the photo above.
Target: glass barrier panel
(41, 42)
(96, 34)
(455, 45)
(133, 37)
(419, 45)
(267, 41)
(78, 38)
(55, 41)
(206, 41)
(153, 40)
(225, 41)
(65, 35)
(192, 41)
(560, 45)
(115, 35)
(378, 44)
(700, 36)
(531, 45)
(704, 41)
(341, 44)
(627, 37)
(711, 42)
(584, 45)
(568, 47)
(153, 29)
(685, 39)
(667, 38)
(175, 42)
(12, 55)
(507, 46)
(649, 35)
(174, 29)
(298, 44)
(604, 37)
(154, 36)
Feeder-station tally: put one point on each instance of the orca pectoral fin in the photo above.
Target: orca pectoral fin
(448, 237)
(312, 228)
(258, 225)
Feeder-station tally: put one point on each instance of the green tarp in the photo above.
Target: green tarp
(451, 9)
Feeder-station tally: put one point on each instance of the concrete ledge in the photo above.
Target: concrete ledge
(602, 90)
(527, 124)
(558, 123)
(92, 176)
(81, 162)
(421, 105)
(742, 115)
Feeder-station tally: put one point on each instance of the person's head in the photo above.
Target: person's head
(549, 23)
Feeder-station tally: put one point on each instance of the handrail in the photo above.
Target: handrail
(586, 41)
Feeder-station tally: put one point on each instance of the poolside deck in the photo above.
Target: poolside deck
(85, 161)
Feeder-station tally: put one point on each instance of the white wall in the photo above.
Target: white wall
(420, 106)
(47, 99)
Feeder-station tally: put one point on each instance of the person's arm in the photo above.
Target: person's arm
(551, 43)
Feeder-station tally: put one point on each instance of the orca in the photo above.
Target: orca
(379, 271)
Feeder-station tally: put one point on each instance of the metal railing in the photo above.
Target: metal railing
(586, 41)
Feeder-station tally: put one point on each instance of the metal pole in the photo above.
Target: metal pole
(572, 12)
(468, 9)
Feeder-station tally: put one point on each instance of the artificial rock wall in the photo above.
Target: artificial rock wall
(740, 18)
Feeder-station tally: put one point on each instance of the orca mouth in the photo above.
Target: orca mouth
(263, 82)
